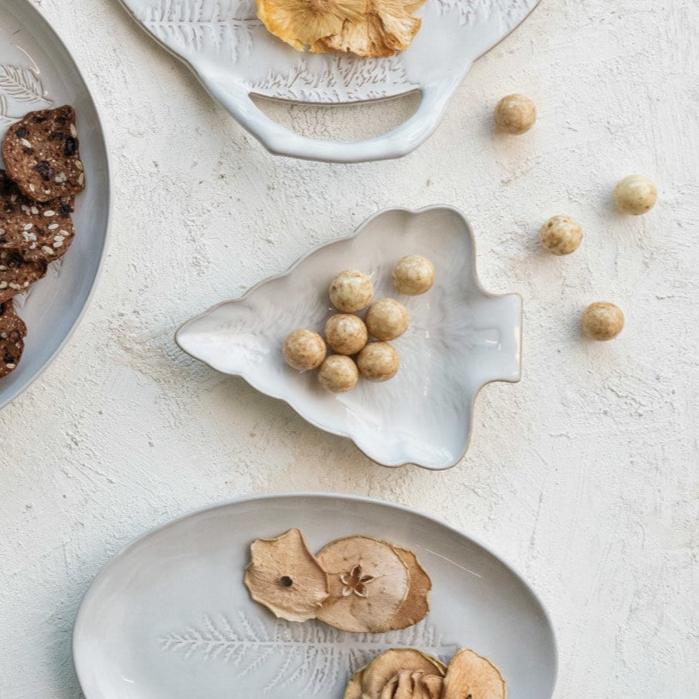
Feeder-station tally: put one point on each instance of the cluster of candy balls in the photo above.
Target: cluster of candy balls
(347, 335)
(561, 235)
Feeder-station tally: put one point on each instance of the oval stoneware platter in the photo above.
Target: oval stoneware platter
(170, 618)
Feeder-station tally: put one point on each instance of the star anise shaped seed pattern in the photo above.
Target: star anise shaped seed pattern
(355, 583)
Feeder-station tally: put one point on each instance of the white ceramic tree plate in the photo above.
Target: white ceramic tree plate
(169, 618)
(37, 72)
(460, 339)
(234, 56)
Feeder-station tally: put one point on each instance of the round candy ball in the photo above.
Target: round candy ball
(304, 350)
(635, 195)
(338, 374)
(378, 361)
(561, 235)
(346, 334)
(515, 114)
(602, 321)
(351, 291)
(387, 319)
(413, 275)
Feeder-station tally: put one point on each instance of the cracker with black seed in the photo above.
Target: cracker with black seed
(12, 334)
(17, 274)
(42, 154)
(41, 232)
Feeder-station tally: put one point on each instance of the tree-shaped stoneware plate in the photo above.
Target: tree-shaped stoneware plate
(460, 338)
(170, 618)
(234, 56)
(37, 72)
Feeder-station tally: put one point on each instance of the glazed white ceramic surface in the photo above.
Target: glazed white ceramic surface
(234, 56)
(37, 72)
(170, 618)
(460, 338)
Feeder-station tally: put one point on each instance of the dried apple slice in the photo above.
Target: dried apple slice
(302, 23)
(381, 670)
(368, 583)
(413, 685)
(398, 669)
(416, 605)
(354, 687)
(470, 676)
(284, 576)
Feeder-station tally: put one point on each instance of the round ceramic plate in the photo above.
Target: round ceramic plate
(37, 72)
(234, 56)
(170, 618)
(460, 338)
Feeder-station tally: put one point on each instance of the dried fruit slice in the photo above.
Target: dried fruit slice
(285, 577)
(398, 668)
(470, 675)
(302, 23)
(416, 605)
(368, 584)
(413, 685)
(354, 687)
(387, 28)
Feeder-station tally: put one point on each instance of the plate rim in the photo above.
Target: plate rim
(357, 231)
(21, 388)
(290, 495)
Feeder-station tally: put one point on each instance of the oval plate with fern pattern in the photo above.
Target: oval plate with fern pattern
(170, 618)
(234, 56)
(37, 72)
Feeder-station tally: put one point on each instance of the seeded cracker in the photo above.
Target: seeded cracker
(42, 155)
(12, 334)
(17, 274)
(40, 232)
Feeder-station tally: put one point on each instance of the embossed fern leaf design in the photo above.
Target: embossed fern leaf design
(311, 656)
(472, 11)
(225, 25)
(343, 79)
(22, 84)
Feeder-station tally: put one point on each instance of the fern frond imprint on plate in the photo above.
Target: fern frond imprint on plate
(226, 25)
(343, 80)
(309, 656)
(19, 84)
(471, 12)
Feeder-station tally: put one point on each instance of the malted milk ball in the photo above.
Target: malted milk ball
(602, 321)
(635, 195)
(304, 350)
(345, 333)
(378, 361)
(338, 373)
(561, 235)
(351, 291)
(387, 319)
(413, 275)
(515, 114)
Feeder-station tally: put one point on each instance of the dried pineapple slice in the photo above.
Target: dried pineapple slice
(387, 28)
(303, 23)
